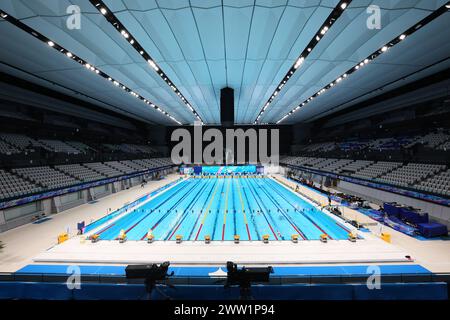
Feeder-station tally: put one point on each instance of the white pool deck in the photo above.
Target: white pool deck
(36, 243)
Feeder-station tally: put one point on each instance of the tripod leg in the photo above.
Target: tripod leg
(162, 293)
(245, 292)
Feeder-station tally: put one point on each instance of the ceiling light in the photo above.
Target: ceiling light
(384, 49)
(299, 62)
(103, 11)
(153, 64)
(343, 6)
(69, 54)
(50, 43)
(402, 37)
(124, 33)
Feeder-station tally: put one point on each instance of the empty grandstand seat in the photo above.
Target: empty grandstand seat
(12, 186)
(47, 177)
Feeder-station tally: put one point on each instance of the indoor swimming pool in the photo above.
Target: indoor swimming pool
(222, 208)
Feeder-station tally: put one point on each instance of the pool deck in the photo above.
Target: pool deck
(36, 243)
(218, 252)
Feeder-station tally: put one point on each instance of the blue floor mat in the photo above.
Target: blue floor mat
(41, 220)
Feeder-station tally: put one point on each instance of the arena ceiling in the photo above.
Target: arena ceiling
(202, 46)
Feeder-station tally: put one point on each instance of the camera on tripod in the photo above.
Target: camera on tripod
(148, 271)
(246, 276)
(152, 274)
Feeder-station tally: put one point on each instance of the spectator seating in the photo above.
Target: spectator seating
(438, 139)
(103, 169)
(120, 166)
(433, 178)
(445, 146)
(6, 148)
(377, 169)
(355, 166)
(19, 141)
(24, 181)
(46, 177)
(80, 146)
(439, 183)
(58, 146)
(434, 139)
(409, 174)
(12, 185)
(80, 172)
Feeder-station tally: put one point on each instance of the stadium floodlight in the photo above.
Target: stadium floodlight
(343, 6)
(51, 43)
(103, 11)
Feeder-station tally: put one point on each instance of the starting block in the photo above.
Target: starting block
(207, 238)
(352, 237)
(266, 238)
(294, 238)
(179, 238)
(122, 236)
(324, 238)
(236, 238)
(94, 238)
(150, 237)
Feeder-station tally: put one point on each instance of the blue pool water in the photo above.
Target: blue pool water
(222, 208)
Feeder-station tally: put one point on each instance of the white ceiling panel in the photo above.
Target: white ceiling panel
(204, 46)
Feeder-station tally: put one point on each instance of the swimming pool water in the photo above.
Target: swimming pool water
(222, 208)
